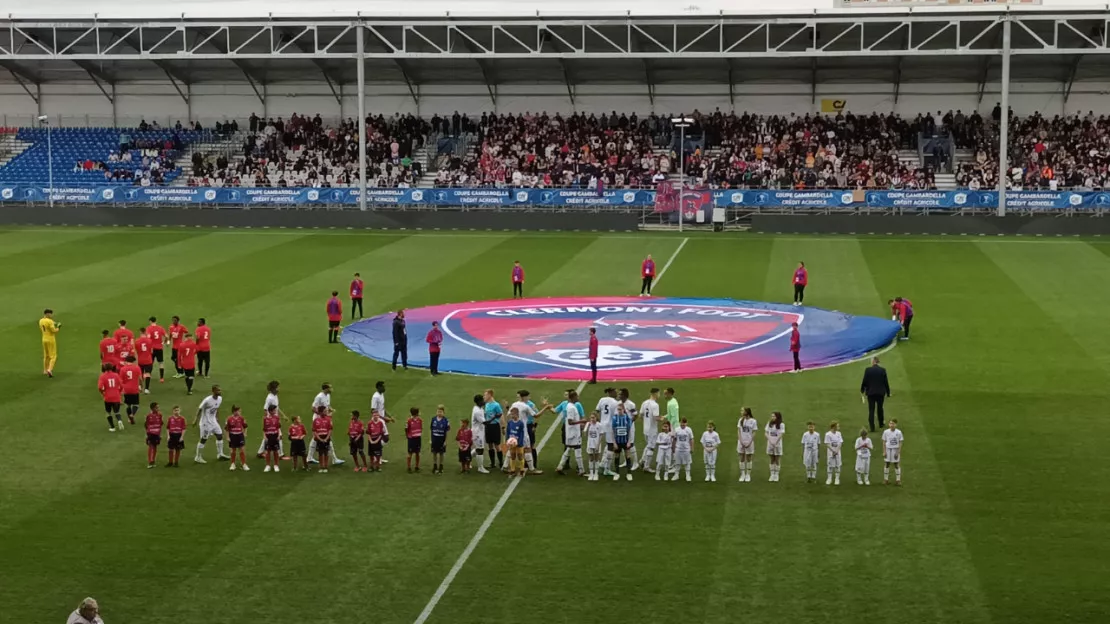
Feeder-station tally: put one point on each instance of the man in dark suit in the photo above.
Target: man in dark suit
(400, 341)
(876, 388)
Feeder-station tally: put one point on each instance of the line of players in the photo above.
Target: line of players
(608, 432)
(127, 363)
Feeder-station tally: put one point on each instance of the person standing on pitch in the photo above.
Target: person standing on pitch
(356, 296)
(518, 280)
(647, 272)
(801, 279)
(593, 355)
(49, 344)
(876, 388)
(434, 339)
(335, 316)
(400, 341)
(795, 345)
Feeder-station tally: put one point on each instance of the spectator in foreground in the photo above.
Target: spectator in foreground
(88, 612)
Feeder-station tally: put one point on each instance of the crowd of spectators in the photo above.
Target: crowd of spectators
(304, 152)
(540, 150)
(142, 162)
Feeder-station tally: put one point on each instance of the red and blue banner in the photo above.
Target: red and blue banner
(640, 339)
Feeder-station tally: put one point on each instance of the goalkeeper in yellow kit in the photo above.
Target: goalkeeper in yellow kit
(49, 344)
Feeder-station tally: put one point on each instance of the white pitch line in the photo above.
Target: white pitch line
(496, 511)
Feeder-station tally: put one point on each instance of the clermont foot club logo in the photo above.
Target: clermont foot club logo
(639, 339)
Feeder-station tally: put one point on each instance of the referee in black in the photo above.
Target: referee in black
(876, 388)
(400, 341)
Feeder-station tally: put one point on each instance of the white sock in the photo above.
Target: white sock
(898, 473)
(528, 460)
(200, 447)
(331, 454)
(219, 447)
(262, 446)
(635, 459)
(578, 459)
(688, 471)
(281, 447)
(564, 459)
(648, 454)
(886, 472)
(749, 466)
(593, 467)
(607, 460)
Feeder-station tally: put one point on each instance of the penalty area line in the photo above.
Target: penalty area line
(496, 511)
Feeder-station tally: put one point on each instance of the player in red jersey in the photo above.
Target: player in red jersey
(237, 437)
(122, 331)
(187, 360)
(297, 449)
(153, 434)
(111, 389)
(465, 438)
(176, 427)
(321, 433)
(132, 377)
(414, 429)
(177, 333)
(375, 431)
(144, 353)
(356, 431)
(204, 348)
(125, 348)
(109, 349)
(271, 429)
(158, 336)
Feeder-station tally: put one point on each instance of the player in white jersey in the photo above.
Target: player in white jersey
(208, 418)
(572, 432)
(377, 402)
(478, 432)
(272, 399)
(594, 441)
(811, 443)
(649, 415)
(528, 413)
(683, 449)
(834, 443)
(775, 430)
(863, 459)
(606, 409)
(892, 453)
(664, 450)
(710, 441)
(745, 442)
(630, 409)
(321, 405)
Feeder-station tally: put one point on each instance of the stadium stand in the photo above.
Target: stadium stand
(85, 156)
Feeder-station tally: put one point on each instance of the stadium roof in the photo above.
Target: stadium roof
(503, 43)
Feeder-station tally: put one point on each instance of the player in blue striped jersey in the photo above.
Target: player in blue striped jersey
(620, 434)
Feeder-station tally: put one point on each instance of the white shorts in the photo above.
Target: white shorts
(208, 429)
(478, 439)
(649, 443)
(593, 446)
(809, 458)
(892, 455)
(745, 449)
(774, 449)
(834, 460)
(682, 458)
(863, 464)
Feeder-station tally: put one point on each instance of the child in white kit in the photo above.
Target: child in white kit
(774, 431)
(710, 440)
(811, 442)
(745, 443)
(683, 450)
(863, 459)
(593, 432)
(834, 442)
(664, 447)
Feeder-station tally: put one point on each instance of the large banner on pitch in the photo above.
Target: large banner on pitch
(558, 198)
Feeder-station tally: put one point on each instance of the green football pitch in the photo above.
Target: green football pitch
(1002, 394)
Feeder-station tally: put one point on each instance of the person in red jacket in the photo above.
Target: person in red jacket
(434, 339)
(356, 296)
(593, 355)
(518, 280)
(153, 434)
(335, 316)
(647, 272)
(795, 345)
(111, 389)
(902, 311)
(801, 280)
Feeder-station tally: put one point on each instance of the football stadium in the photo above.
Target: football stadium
(618, 300)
